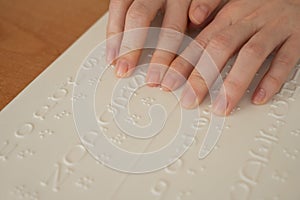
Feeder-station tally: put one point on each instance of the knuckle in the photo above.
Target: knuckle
(284, 60)
(254, 49)
(182, 66)
(193, 52)
(161, 57)
(197, 80)
(172, 32)
(179, 63)
(233, 84)
(110, 33)
(220, 42)
(274, 80)
(253, 15)
(202, 42)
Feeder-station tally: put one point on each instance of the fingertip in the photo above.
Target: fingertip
(198, 14)
(153, 78)
(121, 68)
(168, 82)
(259, 97)
(221, 106)
(189, 98)
(165, 89)
(152, 84)
(172, 80)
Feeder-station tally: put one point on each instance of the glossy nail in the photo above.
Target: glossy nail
(200, 14)
(168, 83)
(121, 68)
(259, 97)
(153, 78)
(189, 98)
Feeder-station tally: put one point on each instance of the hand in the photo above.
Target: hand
(241, 24)
(254, 29)
(125, 15)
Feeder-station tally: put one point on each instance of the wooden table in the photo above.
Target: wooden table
(34, 33)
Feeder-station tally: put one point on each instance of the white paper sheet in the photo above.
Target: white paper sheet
(41, 156)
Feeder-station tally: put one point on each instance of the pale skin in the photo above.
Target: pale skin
(252, 29)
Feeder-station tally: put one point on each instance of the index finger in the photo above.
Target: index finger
(115, 25)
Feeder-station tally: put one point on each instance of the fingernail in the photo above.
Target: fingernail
(200, 14)
(153, 78)
(110, 55)
(168, 83)
(259, 96)
(121, 68)
(220, 105)
(189, 98)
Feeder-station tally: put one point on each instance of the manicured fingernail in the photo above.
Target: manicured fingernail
(220, 105)
(189, 98)
(110, 55)
(200, 13)
(260, 96)
(153, 78)
(121, 68)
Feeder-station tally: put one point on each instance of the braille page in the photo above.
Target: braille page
(43, 157)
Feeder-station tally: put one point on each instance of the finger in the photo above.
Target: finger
(227, 17)
(250, 58)
(198, 27)
(193, 89)
(174, 24)
(139, 15)
(218, 51)
(284, 61)
(183, 65)
(115, 25)
(201, 9)
(229, 14)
